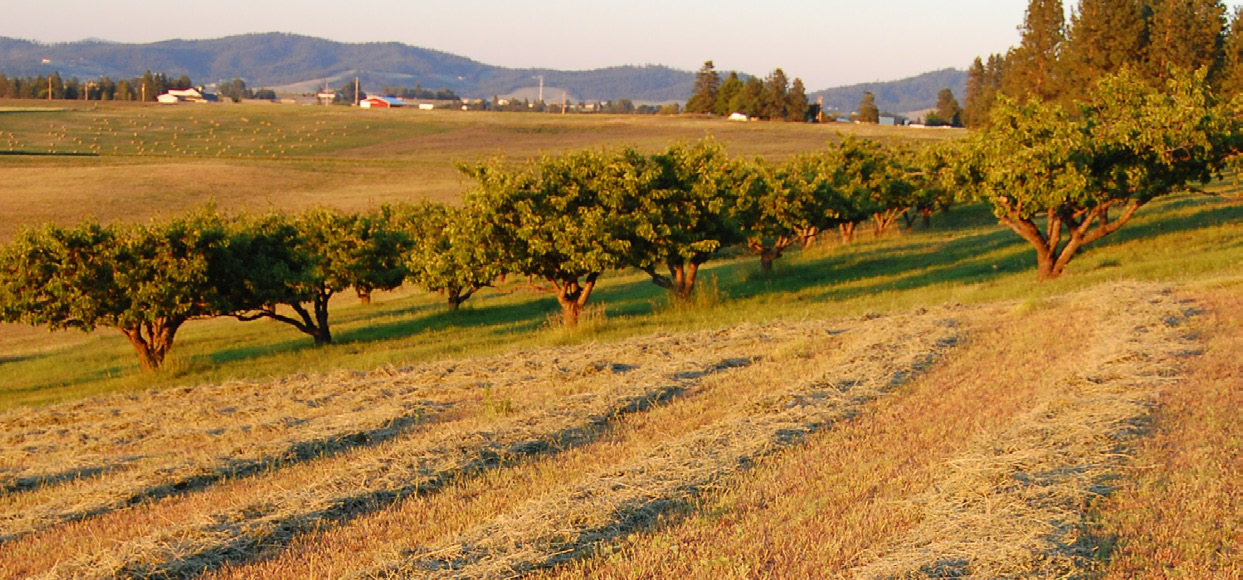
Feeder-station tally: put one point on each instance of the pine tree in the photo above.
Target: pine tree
(1033, 65)
(796, 102)
(1104, 36)
(1185, 34)
(978, 95)
(726, 94)
(707, 85)
(748, 100)
(868, 111)
(776, 89)
(947, 112)
(1231, 81)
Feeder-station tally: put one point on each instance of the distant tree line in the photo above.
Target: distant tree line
(148, 86)
(773, 98)
(1058, 61)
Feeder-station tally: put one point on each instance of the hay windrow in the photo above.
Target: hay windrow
(586, 388)
(880, 355)
(1014, 504)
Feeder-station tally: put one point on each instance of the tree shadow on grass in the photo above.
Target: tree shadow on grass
(957, 260)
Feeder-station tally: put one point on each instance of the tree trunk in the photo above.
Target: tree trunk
(766, 261)
(152, 341)
(847, 231)
(364, 295)
(1051, 257)
(808, 237)
(572, 297)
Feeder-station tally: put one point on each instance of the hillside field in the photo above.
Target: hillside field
(913, 406)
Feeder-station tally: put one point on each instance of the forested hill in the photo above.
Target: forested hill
(302, 64)
(901, 96)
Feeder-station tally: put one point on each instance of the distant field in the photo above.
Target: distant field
(117, 161)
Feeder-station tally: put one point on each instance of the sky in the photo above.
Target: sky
(827, 43)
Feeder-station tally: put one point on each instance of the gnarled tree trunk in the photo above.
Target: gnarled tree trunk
(152, 340)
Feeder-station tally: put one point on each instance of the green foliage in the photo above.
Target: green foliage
(868, 111)
(1033, 66)
(779, 205)
(450, 254)
(145, 281)
(1128, 146)
(302, 262)
(871, 180)
(707, 84)
(682, 216)
(947, 112)
(730, 88)
(560, 219)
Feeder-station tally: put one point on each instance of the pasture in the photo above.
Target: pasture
(908, 406)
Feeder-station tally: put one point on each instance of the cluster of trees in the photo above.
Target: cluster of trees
(146, 87)
(1059, 62)
(418, 92)
(564, 221)
(773, 98)
(236, 90)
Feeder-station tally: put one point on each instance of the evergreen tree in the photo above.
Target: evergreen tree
(776, 87)
(868, 111)
(749, 99)
(1104, 36)
(1185, 34)
(1033, 65)
(729, 90)
(707, 85)
(947, 112)
(1231, 80)
(796, 102)
(975, 114)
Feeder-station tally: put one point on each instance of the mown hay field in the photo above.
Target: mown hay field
(913, 406)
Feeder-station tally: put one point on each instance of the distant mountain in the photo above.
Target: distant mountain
(916, 93)
(302, 64)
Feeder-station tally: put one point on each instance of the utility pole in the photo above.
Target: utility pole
(564, 101)
(541, 86)
(49, 87)
(356, 99)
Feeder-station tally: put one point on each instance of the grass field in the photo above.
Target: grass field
(907, 407)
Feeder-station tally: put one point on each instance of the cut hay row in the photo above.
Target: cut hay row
(1015, 504)
(883, 354)
(593, 386)
(105, 454)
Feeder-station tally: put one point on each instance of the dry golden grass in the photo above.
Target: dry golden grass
(149, 161)
(1179, 513)
(859, 447)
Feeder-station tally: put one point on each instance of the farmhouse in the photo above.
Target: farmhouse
(187, 96)
(381, 103)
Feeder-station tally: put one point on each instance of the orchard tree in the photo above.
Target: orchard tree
(303, 262)
(144, 281)
(779, 205)
(559, 219)
(1086, 175)
(682, 213)
(872, 181)
(450, 255)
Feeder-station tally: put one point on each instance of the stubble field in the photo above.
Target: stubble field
(906, 407)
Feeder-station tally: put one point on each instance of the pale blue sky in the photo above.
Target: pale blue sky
(826, 42)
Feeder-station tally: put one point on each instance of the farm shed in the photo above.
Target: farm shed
(381, 103)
